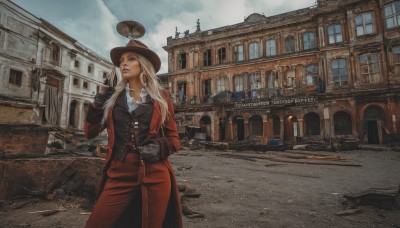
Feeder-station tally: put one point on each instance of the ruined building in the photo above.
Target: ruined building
(328, 71)
(47, 77)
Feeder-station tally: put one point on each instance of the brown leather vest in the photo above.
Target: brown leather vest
(123, 124)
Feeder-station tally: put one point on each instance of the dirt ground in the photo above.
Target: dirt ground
(272, 189)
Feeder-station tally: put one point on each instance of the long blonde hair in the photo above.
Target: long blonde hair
(149, 79)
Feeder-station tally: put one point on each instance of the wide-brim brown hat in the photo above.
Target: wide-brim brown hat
(139, 48)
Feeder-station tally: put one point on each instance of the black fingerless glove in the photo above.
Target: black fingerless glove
(150, 152)
(101, 98)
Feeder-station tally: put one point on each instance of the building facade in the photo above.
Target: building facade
(328, 71)
(47, 77)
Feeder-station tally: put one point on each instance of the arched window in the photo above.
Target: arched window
(289, 44)
(342, 123)
(256, 125)
(312, 124)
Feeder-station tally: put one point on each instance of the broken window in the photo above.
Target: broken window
(238, 53)
(270, 47)
(104, 74)
(311, 75)
(254, 51)
(289, 44)
(207, 58)
(256, 125)
(339, 72)
(335, 34)
(312, 124)
(239, 83)
(90, 68)
(370, 69)
(222, 84)
(308, 40)
(182, 60)
(254, 81)
(76, 82)
(55, 53)
(15, 77)
(365, 24)
(396, 54)
(276, 125)
(272, 79)
(392, 14)
(182, 92)
(342, 123)
(222, 55)
(290, 78)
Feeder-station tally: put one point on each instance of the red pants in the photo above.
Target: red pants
(135, 195)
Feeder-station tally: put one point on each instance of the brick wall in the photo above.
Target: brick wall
(23, 139)
(13, 115)
(38, 174)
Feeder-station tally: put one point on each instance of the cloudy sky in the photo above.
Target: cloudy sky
(92, 22)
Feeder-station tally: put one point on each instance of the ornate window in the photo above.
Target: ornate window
(254, 81)
(289, 44)
(339, 72)
(396, 59)
(392, 14)
(308, 40)
(342, 123)
(335, 34)
(222, 55)
(239, 83)
(55, 53)
(290, 78)
(370, 69)
(365, 24)
(272, 79)
(207, 58)
(222, 84)
(254, 51)
(311, 75)
(270, 47)
(238, 53)
(182, 61)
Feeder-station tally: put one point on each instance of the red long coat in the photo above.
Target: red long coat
(169, 144)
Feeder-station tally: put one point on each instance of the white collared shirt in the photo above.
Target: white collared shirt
(132, 104)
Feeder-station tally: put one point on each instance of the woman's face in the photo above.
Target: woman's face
(129, 66)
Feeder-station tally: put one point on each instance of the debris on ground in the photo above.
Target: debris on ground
(385, 198)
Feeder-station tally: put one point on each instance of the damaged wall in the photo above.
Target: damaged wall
(22, 139)
(38, 174)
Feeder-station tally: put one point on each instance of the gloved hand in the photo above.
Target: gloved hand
(102, 97)
(150, 152)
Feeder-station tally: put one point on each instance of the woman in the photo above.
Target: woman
(138, 187)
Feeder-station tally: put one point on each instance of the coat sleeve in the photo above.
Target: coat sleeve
(168, 136)
(93, 125)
